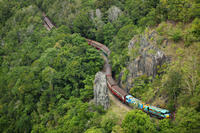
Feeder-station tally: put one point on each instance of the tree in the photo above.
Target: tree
(190, 74)
(48, 75)
(138, 9)
(108, 32)
(94, 130)
(165, 126)
(187, 120)
(137, 121)
(108, 122)
(173, 86)
(82, 24)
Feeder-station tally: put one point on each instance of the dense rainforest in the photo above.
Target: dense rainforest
(46, 77)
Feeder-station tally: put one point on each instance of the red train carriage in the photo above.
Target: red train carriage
(98, 46)
(114, 88)
(110, 81)
(48, 22)
(108, 70)
(120, 93)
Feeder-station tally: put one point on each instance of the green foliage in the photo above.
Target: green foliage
(104, 5)
(141, 85)
(40, 72)
(192, 33)
(82, 24)
(137, 121)
(173, 85)
(195, 29)
(94, 130)
(108, 32)
(46, 77)
(108, 123)
(117, 129)
(175, 34)
(162, 28)
(187, 120)
(138, 9)
(150, 19)
(165, 126)
(178, 10)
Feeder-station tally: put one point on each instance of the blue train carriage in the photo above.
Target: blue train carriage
(134, 102)
(162, 113)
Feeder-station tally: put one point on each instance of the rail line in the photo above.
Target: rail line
(122, 95)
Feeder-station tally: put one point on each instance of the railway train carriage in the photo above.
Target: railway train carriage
(99, 46)
(110, 81)
(135, 103)
(123, 95)
(163, 113)
(120, 93)
(108, 69)
(48, 23)
(114, 88)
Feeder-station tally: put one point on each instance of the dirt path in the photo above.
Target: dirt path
(118, 102)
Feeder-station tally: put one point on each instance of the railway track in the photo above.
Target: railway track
(114, 89)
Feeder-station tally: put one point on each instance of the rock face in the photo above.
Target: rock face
(101, 91)
(147, 58)
(113, 13)
(98, 13)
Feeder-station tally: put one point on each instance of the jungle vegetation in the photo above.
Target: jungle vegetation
(46, 77)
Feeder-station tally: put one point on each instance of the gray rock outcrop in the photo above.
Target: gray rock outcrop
(98, 13)
(101, 91)
(147, 58)
(113, 13)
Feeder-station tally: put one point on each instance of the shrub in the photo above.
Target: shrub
(160, 40)
(175, 34)
(188, 39)
(192, 34)
(195, 29)
(161, 28)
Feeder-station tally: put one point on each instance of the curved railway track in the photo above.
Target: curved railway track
(122, 95)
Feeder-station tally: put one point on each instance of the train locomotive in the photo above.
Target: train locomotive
(123, 95)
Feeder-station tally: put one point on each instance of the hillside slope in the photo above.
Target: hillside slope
(46, 76)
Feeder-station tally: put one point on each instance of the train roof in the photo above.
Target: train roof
(121, 91)
(108, 69)
(131, 97)
(151, 107)
(103, 47)
(158, 109)
(111, 81)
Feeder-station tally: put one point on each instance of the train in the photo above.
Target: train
(47, 23)
(122, 94)
(112, 85)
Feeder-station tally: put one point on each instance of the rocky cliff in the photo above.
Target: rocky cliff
(101, 91)
(145, 58)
